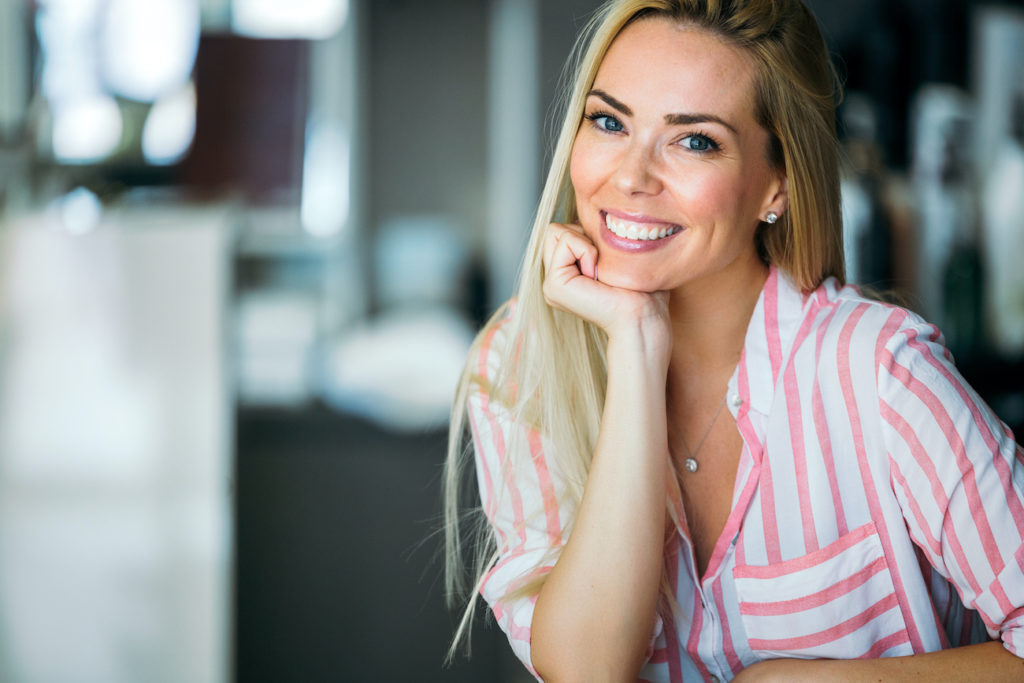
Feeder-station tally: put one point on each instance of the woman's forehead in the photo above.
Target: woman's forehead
(658, 64)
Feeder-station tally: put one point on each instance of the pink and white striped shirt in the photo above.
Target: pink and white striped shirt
(876, 496)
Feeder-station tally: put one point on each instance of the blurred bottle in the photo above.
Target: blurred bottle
(949, 279)
(1003, 243)
(867, 235)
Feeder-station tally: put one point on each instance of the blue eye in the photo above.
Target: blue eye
(699, 143)
(605, 122)
(611, 124)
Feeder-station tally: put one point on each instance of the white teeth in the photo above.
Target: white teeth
(636, 231)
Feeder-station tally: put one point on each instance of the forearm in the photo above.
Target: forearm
(986, 662)
(594, 615)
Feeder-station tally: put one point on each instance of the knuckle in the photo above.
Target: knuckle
(550, 292)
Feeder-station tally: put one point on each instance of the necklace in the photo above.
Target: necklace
(691, 461)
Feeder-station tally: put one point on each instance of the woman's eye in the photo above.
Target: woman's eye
(608, 123)
(698, 143)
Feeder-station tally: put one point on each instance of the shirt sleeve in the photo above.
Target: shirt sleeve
(959, 477)
(522, 496)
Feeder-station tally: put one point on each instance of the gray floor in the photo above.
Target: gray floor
(337, 575)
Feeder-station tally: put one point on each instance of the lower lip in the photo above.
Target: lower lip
(633, 246)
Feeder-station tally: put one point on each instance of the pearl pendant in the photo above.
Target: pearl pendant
(690, 464)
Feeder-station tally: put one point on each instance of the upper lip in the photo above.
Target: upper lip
(637, 217)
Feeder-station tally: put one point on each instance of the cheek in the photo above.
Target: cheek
(709, 194)
(586, 169)
(723, 192)
(577, 173)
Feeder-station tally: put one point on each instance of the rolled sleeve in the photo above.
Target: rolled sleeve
(1009, 582)
(958, 475)
(522, 495)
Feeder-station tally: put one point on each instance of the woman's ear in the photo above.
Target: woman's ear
(777, 197)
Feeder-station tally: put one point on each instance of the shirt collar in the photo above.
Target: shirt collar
(773, 325)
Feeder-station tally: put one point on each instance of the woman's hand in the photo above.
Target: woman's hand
(571, 284)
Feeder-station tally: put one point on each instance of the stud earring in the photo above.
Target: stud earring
(771, 218)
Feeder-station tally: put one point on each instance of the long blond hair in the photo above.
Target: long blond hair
(552, 378)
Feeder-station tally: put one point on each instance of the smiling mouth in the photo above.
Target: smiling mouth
(640, 232)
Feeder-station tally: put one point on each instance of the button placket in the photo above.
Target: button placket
(711, 623)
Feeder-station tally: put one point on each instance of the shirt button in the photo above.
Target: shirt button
(736, 400)
(714, 678)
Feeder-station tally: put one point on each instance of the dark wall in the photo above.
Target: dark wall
(338, 563)
(426, 114)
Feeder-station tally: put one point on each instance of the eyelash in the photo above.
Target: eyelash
(595, 116)
(713, 145)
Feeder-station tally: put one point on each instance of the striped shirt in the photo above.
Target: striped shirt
(878, 508)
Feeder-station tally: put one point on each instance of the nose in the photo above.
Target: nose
(637, 172)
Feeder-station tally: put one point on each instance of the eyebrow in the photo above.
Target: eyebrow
(612, 102)
(671, 119)
(687, 119)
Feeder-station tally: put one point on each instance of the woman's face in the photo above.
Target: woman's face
(669, 146)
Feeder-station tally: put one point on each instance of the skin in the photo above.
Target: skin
(676, 317)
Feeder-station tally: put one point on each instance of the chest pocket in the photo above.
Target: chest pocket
(837, 602)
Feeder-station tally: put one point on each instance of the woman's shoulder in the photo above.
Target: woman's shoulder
(865, 325)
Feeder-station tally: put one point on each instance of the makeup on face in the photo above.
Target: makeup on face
(636, 233)
(669, 167)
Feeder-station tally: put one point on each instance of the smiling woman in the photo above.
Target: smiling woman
(678, 150)
(855, 513)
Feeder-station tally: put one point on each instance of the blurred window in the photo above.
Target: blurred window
(170, 127)
(96, 55)
(86, 128)
(296, 19)
(147, 49)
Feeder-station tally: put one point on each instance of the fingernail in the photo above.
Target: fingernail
(595, 271)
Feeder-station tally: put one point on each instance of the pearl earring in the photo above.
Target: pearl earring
(771, 218)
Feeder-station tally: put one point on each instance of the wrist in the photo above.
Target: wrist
(641, 348)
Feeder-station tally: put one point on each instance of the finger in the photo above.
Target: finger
(550, 243)
(588, 264)
(574, 255)
(553, 234)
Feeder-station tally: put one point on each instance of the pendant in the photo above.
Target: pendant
(690, 464)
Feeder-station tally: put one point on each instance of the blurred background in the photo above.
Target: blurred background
(245, 244)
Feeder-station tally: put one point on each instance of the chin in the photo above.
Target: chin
(637, 282)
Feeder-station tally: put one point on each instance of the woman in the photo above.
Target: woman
(700, 456)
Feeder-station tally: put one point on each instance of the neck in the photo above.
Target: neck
(710, 319)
